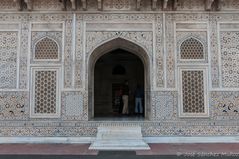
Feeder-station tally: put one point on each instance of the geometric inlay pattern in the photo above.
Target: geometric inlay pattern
(191, 49)
(23, 59)
(46, 49)
(144, 38)
(159, 74)
(164, 105)
(230, 59)
(13, 105)
(193, 91)
(45, 92)
(47, 5)
(79, 53)
(8, 59)
(190, 5)
(68, 64)
(117, 4)
(170, 58)
(225, 105)
(7, 5)
(74, 105)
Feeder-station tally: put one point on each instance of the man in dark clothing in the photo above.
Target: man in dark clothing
(139, 95)
(121, 100)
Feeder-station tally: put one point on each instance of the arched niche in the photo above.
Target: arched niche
(46, 49)
(192, 49)
(118, 43)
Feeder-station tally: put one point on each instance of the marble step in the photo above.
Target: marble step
(119, 138)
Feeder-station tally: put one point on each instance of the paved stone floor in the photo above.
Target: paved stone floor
(80, 151)
(114, 155)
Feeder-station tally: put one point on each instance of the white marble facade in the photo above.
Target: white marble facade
(183, 47)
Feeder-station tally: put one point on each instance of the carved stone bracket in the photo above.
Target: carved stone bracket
(219, 4)
(100, 5)
(19, 4)
(154, 4)
(175, 4)
(208, 4)
(63, 4)
(84, 4)
(165, 4)
(73, 4)
(29, 4)
(138, 4)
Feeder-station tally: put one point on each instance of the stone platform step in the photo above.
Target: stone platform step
(119, 138)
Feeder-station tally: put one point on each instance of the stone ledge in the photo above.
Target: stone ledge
(119, 145)
(119, 138)
(196, 139)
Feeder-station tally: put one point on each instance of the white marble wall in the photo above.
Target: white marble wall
(153, 36)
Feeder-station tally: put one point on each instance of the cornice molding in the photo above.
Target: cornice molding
(209, 4)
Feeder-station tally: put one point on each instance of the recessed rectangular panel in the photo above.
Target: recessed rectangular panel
(228, 26)
(230, 58)
(119, 26)
(8, 59)
(74, 105)
(45, 93)
(47, 26)
(191, 26)
(193, 91)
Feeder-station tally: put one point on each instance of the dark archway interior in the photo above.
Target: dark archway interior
(111, 70)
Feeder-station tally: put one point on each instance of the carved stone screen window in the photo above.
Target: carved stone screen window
(193, 98)
(45, 93)
(191, 49)
(46, 49)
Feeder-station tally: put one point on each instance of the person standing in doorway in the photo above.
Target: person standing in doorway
(125, 98)
(120, 94)
(139, 95)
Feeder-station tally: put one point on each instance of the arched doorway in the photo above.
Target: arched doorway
(127, 49)
(111, 70)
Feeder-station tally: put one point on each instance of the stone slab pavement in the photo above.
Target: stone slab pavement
(81, 151)
(115, 155)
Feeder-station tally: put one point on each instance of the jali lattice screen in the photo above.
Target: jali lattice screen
(191, 49)
(45, 93)
(193, 91)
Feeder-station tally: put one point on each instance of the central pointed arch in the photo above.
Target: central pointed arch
(119, 43)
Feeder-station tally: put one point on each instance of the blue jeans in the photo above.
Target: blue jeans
(138, 105)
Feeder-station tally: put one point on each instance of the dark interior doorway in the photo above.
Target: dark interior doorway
(111, 70)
